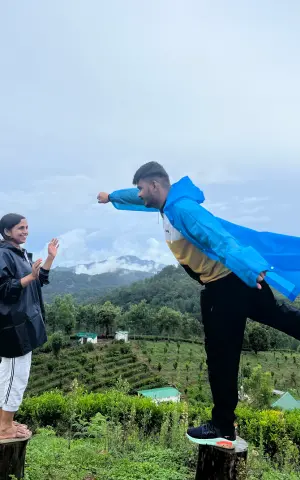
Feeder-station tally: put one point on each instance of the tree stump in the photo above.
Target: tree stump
(220, 464)
(12, 458)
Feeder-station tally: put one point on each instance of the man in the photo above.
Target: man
(221, 256)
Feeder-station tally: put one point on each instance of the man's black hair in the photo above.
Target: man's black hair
(151, 171)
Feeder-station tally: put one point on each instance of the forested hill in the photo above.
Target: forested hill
(172, 287)
(88, 288)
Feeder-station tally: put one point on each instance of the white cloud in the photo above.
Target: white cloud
(111, 264)
(251, 211)
(251, 200)
(214, 173)
(75, 251)
(215, 207)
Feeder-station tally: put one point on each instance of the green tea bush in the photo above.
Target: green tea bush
(266, 429)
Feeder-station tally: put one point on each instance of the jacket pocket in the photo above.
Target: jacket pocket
(11, 342)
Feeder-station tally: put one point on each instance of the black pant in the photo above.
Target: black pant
(226, 304)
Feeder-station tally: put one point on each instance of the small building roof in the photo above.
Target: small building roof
(287, 402)
(158, 393)
(86, 335)
(121, 331)
(278, 392)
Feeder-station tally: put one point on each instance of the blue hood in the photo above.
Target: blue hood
(184, 189)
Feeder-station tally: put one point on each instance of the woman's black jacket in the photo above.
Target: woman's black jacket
(22, 313)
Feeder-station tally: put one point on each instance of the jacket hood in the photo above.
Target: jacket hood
(8, 246)
(185, 188)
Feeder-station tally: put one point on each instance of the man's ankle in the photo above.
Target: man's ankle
(227, 430)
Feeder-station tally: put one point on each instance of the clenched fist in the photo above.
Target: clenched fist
(102, 197)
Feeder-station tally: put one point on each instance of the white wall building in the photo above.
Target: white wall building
(86, 337)
(121, 335)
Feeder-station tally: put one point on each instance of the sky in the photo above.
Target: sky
(90, 90)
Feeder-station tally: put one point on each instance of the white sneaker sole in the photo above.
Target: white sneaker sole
(214, 442)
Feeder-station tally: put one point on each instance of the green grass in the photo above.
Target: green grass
(109, 363)
(189, 358)
(49, 456)
(97, 370)
(284, 365)
(56, 458)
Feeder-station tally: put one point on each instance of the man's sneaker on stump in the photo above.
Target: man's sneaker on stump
(208, 434)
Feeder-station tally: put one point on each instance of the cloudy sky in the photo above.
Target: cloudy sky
(91, 89)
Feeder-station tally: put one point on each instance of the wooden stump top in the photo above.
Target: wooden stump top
(7, 441)
(217, 463)
(241, 446)
(12, 457)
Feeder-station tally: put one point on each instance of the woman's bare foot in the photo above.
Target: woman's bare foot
(20, 424)
(14, 432)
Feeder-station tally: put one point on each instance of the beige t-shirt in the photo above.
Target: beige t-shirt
(187, 254)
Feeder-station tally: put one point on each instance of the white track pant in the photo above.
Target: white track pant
(14, 375)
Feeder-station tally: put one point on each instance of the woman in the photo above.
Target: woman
(22, 315)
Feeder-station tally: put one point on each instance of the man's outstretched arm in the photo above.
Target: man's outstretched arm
(126, 199)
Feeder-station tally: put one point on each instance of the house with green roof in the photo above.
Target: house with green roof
(158, 395)
(286, 402)
(86, 337)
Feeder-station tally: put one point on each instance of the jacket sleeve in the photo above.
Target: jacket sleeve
(206, 232)
(128, 199)
(10, 287)
(44, 277)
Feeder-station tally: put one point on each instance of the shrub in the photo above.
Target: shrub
(88, 347)
(266, 428)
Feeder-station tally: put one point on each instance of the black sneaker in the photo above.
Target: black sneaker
(208, 434)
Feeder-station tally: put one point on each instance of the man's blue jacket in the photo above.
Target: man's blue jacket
(244, 251)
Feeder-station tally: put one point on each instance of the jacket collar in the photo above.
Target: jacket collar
(19, 251)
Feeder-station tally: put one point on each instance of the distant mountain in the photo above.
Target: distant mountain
(113, 264)
(88, 282)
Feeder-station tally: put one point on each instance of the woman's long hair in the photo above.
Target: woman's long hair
(8, 222)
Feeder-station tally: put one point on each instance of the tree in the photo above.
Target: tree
(106, 315)
(258, 338)
(259, 387)
(294, 379)
(91, 365)
(190, 327)
(201, 364)
(56, 341)
(168, 320)
(79, 321)
(246, 371)
(86, 317)
(139, 318)
(64, 313)
(50, 316)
